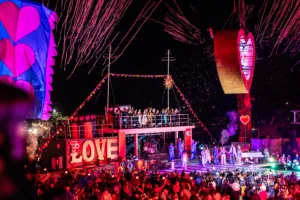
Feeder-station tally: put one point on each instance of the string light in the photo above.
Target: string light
(146, 76)
(89, 97)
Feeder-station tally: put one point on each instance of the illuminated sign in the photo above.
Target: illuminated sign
(245, 119)
(61, 118)
(90, 152)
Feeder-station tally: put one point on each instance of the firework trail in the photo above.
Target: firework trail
(279, 26)
(177, 25)
(143, 16)
(86, 26)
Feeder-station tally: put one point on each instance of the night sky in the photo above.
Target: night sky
(274, 86)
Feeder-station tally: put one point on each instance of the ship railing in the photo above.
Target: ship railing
(87, 130)
(129, 122)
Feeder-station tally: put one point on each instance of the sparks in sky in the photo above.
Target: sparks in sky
(177, 25)
(279, 26)
(87, 28)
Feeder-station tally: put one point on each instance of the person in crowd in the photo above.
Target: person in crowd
(135, 119)
(164, 117)
(15, 105)
(145, 118)
(216, 155)
(158, 121)
(140, 117)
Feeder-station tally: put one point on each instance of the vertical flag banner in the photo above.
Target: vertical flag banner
(27, 48)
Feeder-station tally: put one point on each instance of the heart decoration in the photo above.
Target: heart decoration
(245, 119)
(20, 22)
(17, 58)
(246, 55)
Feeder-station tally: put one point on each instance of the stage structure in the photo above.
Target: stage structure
(27, 48)
(235, 60)
(92, 140)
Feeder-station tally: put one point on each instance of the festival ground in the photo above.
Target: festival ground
(196, 165)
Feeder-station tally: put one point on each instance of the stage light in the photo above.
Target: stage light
(45, 169)
(298, 167)
(273, 165)
(271, 159)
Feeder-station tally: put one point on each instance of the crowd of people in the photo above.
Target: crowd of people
(129, 117)
(143, 185)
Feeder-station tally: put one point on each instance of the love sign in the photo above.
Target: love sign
(245, 119)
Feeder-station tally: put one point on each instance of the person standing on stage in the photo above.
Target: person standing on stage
(232, 154)
(194, 150)
(203, 157)
(239, 155)
(266, 155)
(184, 160)
(208, 157)
(171, 152)
(179, 147)
(223, 156)
(216, 154)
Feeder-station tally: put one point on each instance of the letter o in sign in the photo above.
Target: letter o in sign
(84, 147)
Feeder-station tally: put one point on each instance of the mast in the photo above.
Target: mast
(108, 81)
(168, 59)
